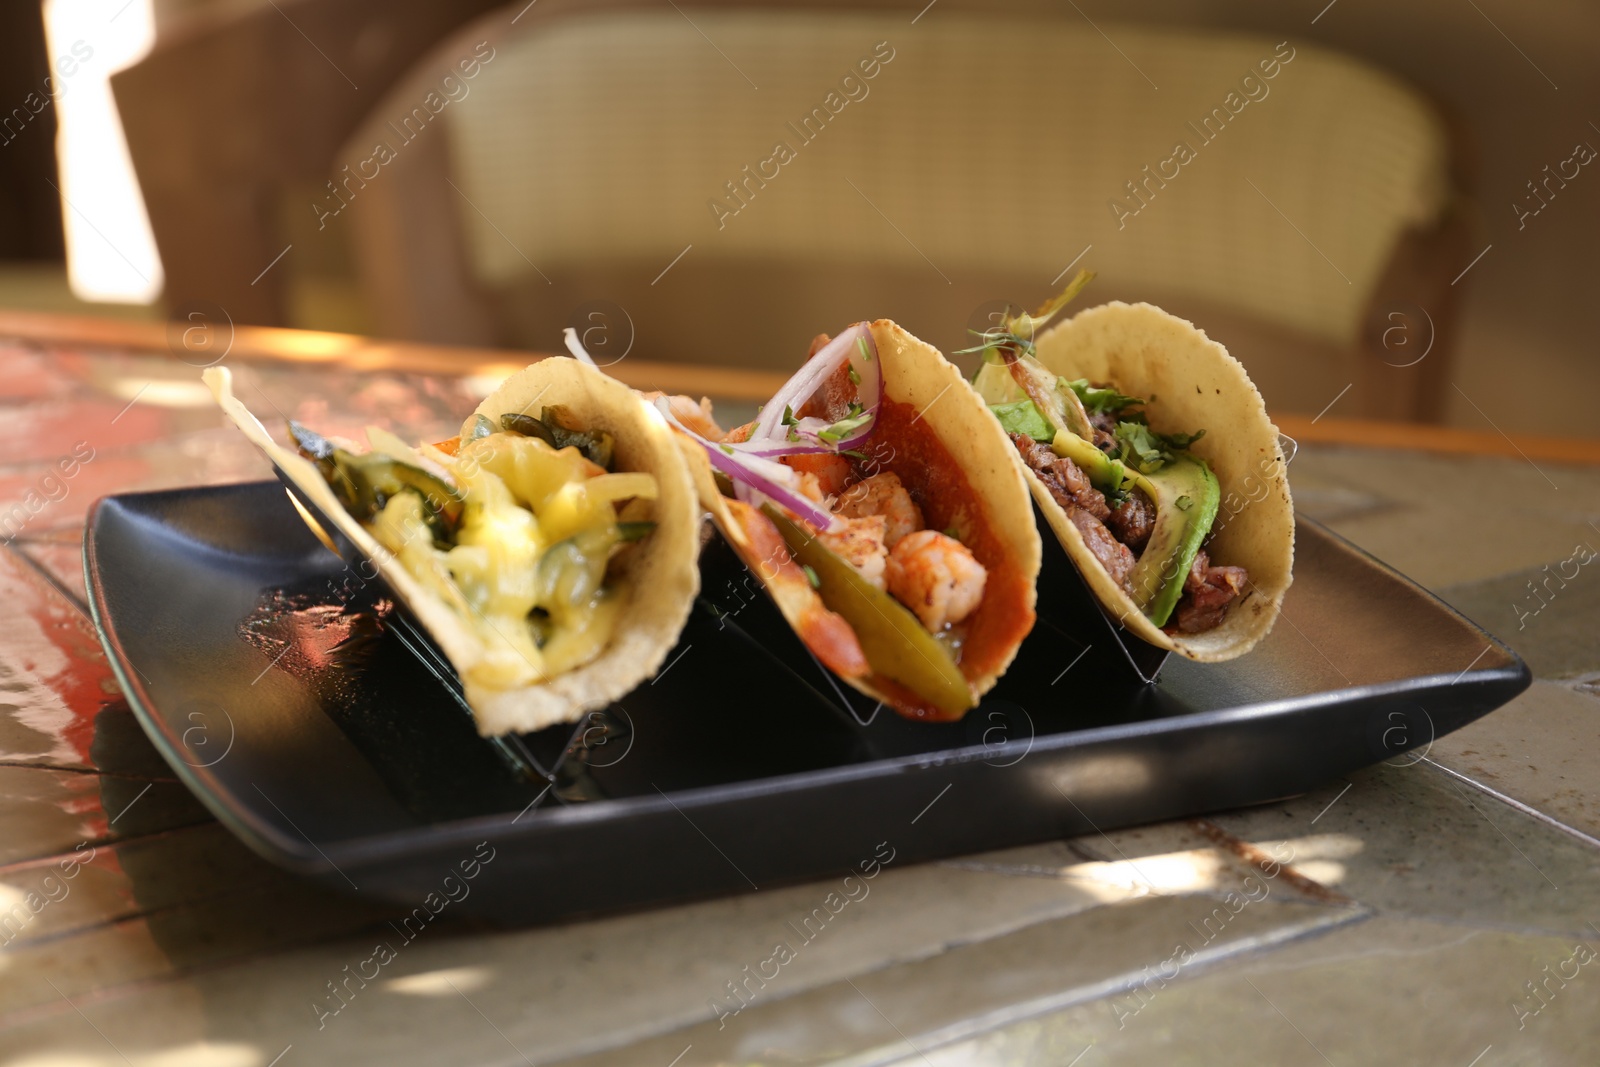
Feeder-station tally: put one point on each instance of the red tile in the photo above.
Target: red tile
(55, 675)
(49, 431)
(61, 558)
(28, 374)
(40, 497)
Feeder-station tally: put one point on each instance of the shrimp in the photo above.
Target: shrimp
(882, 494)
(860, 544)
(936, 577)
(810, 487)
(832, 470)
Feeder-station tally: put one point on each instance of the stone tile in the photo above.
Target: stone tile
(1437, 528)
(1387, 991)
(1331, 504)
(972, 988)
(46, 813)
(109, 959)
(97, 884)
(587, 987)
(1554, 629)
(1539, 750)
(1412, 840)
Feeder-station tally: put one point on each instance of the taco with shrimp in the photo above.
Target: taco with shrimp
(549, 549)
(1151, 455)
(880, 505)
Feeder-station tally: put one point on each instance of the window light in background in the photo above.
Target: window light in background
(111, 252)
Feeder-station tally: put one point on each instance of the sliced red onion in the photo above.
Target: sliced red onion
(804, 441)
(756, 474)
(815, 429)
(575, 346)
(855, 346)
(778, 448)
(751, 464)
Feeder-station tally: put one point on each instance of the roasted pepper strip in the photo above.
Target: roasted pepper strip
(897, 646)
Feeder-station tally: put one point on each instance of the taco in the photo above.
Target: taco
(549, 549)
(880, 505)
(1152, 457)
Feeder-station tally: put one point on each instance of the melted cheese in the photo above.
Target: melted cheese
(528, 570)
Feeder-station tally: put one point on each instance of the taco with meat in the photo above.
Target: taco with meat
(1151, 455)
(880, 505)
(549, 549)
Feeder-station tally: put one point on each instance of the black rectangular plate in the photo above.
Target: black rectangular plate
(327, 740)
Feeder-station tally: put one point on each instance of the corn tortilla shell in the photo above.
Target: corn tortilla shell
(915, 373)
(661, 570)
(1191, 383)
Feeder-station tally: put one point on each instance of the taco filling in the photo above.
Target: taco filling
(514, 527)
(1143, 503)
(861, 523)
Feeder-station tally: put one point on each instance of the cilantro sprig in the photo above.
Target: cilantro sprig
(994, 340)
(1099, 400)
(1147, 451)
(856, 419)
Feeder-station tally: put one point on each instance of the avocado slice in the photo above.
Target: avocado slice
(1107, 473)
(1186, 497)
(1186, 503)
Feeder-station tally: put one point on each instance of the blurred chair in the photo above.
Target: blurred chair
(1315, 229)
(240, 103)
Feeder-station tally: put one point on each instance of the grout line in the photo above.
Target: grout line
(1515, 804)
(50, 578)
(59, 769)
(1490, 820)
(1008, 1015)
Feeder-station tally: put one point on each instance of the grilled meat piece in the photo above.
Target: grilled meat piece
(1207, 594)
(1113, 555)
(1067, 483)
(1133, 519)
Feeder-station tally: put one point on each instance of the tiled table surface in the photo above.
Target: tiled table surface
(1437, 910)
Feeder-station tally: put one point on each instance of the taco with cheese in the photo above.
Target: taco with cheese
(549, 549)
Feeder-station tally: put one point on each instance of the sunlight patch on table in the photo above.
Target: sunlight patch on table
(197, 1054)
(445, 982)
